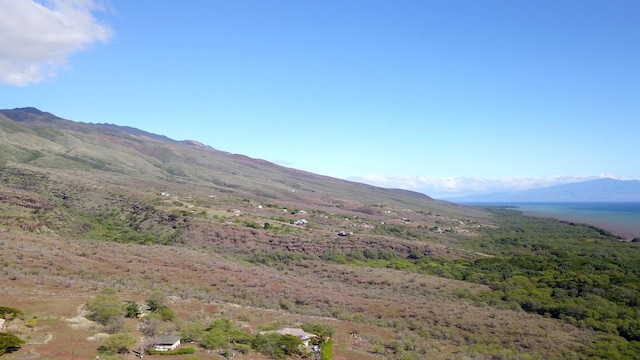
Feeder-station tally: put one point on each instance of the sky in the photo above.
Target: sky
(443, 97)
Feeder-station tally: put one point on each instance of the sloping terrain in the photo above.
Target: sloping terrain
(89, 206)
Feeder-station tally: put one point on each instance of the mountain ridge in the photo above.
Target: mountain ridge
(44, 142)
(597, 190)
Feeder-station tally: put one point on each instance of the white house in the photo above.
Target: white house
(167, 343)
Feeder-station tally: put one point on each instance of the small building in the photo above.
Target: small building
(143, 310)
(167, 343)
(345, 233)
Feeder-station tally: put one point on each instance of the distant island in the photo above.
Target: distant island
(599, 190)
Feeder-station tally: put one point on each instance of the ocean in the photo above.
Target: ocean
(621, 218)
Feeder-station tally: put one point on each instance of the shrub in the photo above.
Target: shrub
(221, 331)
(9, 343)
(156, 301)
(9, 313)
(167, 314)
(326, 351)
(214, 339)
(118, 343)
(106, 306)
(324, 331)
(131, 309)
(276, 345)
(181, 351)
(192, 331)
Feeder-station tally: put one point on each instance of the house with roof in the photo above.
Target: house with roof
(167, 343)
(142, 310)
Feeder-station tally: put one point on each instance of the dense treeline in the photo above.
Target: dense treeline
(581, 274)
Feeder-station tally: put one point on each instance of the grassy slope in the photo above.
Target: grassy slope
(64, 185)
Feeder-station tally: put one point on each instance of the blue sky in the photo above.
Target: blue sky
(443, 97)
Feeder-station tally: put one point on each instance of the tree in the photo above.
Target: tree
(106, 306)
(9, 343)
(118, 343)
(214, 339)
(269, 344)
(221, 332)
(131, 309)
(150, 325)
(324, 331)
(114, 325)
(167, 314)
(290, 344)
(276, 345)
(156, 301)
(192, 331)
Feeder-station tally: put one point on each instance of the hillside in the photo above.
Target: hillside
(599, 190)
(41, 140)
(399, 275)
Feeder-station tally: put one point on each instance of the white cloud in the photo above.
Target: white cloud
(450, 187)
(36, 38)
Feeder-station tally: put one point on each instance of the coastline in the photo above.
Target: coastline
(627, 231)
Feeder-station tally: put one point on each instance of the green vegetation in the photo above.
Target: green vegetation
(192, 331)
(277, 346)
(221, 333)
(156, 304)
(577, 273)
(131, 309)
(400, 231)
(326, 351)
(9, 312)
(9, 343)
(118, 343)
(323, 331)
(103, 183)
(107, 308)
(131, 225)
(181, 351)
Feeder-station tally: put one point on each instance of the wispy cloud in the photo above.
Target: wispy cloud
(450, 187)
(37, 37)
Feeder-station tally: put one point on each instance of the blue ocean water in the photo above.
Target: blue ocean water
(621, 218)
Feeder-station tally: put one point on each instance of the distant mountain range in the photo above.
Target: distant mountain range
(599, 190)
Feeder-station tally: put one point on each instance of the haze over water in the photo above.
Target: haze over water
(621, 218)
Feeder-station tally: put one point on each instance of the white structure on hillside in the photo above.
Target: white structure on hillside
(167, 343)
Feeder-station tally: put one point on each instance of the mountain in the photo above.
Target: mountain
(73, 157)
(41, 140)
(599, 190)
(242, 242)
